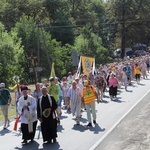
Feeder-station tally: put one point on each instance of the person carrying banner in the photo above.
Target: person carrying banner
(5, 100)
(46, 115)
(27, 109)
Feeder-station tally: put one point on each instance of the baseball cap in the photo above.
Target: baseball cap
(86, 82)
(2, 85)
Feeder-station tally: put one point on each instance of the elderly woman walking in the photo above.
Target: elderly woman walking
(113, 83)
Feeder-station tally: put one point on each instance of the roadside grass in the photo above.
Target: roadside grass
(12, 109)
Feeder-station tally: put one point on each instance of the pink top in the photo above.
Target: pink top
(113, 82)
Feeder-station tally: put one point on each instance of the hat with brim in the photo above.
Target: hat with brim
(46, 113)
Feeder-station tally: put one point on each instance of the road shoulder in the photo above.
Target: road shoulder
(133, 131)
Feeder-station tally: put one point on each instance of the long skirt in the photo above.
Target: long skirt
(25, 133)
(113, 91)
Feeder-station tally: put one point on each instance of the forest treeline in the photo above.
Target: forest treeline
(51, 29)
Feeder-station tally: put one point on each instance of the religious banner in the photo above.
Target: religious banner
(87, 63)
(52, 71)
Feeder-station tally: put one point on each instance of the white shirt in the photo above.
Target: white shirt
(80, 85)
(70, 79)
(65, 90)
(32, 109)
(75, 94)
(124, 75)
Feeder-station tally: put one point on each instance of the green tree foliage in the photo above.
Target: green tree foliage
(52, 29)
(63, 27)
(49, 49)
(134, 14)
(11, 55)
(90, 44)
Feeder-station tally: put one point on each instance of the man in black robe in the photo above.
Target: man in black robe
(46, 115)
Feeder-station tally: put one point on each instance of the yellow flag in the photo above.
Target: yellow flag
(12, 88)
(87, 63)
(52, 71)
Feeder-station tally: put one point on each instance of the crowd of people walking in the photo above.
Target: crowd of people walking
(74, 93)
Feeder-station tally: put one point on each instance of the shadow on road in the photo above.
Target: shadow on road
(35, 146)
(54, 146)
(141, 84)
(104, 102)
(18, 133)
(84, 120)
(4, 131)
(118, 100)
(96, 129)
(31, 145)
(129, 91)
(105, 96)
(119, 92)
(80, 128)
(63, 117)
(60, 128)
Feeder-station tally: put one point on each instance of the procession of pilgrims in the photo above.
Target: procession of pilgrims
(73, 93)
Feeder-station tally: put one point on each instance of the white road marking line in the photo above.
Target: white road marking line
(115, 125)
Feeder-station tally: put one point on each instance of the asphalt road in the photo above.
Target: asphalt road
(73, 137)
(133, 131)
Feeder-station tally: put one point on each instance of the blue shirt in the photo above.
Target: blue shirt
(128, 70)
(39, 92)
(60, 90)
(4, 96)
